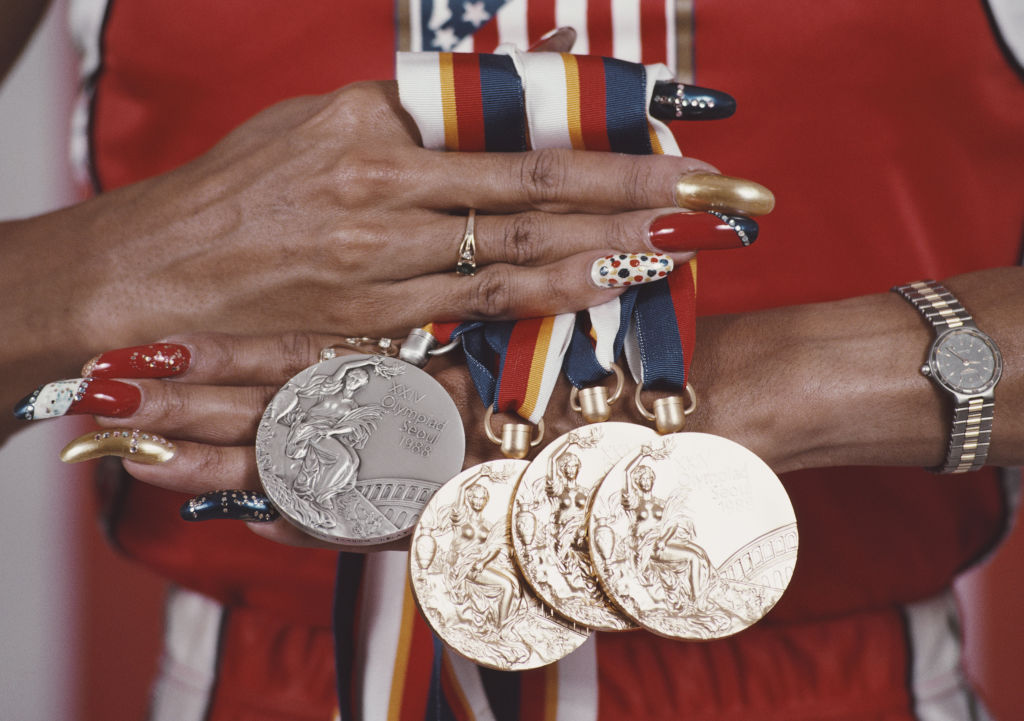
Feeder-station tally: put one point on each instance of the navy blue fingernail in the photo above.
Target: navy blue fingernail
(676, 101)
(230, 505)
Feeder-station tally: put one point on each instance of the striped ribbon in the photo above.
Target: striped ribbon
(464, 102)
(482, 108)
(399, 670)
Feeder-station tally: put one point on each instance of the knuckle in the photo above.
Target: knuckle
(544, 174)
(636, 183)
(294, 352)
(493, 294)
(172, 400)
(207, 463)
(366, 178)
(523, 245)
(355, 104)
(622, 234)
(560, 296)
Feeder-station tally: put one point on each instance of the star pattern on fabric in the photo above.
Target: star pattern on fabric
(475, 12)
(445, 39)
(444, 24)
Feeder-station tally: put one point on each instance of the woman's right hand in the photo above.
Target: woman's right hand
(324, 213)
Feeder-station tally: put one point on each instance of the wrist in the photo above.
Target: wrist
(822, 384)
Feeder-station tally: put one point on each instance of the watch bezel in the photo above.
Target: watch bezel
(933, 368)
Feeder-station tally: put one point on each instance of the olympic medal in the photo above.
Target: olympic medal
(351, 449)
(548, 519)
(466, 583)
(693, 536)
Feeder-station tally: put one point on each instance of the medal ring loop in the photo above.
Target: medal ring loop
(691, 399)
(620, 382)
(489, 432)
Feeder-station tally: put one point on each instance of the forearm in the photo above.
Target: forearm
(839, 383)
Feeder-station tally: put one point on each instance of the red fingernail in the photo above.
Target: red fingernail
(701, 231)
(80, 396)
(156, 360)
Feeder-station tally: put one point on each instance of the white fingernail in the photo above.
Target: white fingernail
(624, 269)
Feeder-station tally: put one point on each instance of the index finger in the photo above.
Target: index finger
(562, 181)
(216, 358)
(553, 179)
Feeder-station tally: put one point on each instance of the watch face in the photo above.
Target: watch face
(966, 360)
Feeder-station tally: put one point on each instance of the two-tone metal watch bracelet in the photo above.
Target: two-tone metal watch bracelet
(964, 362)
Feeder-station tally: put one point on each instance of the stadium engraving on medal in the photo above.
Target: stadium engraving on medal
(351, 449)
(466, 583)
(693, 536)
(548, 515)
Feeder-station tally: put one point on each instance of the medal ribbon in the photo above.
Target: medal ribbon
(582, 102)
(514, 365)
(463, 101)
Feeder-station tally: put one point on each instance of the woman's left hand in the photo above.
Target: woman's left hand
(190, 406)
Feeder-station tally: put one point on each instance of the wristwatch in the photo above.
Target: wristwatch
(965, 363)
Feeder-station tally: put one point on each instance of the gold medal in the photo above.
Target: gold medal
(693, 536)
(466, 583)
(548, 518)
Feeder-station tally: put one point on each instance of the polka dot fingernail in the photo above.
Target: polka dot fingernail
(621, 270)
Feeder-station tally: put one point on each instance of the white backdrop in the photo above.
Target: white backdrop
(37, 562)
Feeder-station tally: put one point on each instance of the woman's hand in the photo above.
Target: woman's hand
(190, 407)
(324, 213)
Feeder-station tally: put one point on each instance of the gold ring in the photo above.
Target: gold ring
(465, 264)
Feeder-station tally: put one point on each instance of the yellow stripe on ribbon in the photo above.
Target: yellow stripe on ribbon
(572, 101)
(538, 365)
(448, 109)
(655, 142)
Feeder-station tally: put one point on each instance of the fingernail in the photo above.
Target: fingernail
(79, 396)
(710, 191)
(701, 231)
(623, 269)
(675, 101)
(547, 36)
(230, 505)
(140, 447)
(156, 360)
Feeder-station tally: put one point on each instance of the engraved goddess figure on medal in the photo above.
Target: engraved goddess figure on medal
(466, 584)
(326, 435)
(668, 559)
(549, 514)
(693, 538)
(351, 449)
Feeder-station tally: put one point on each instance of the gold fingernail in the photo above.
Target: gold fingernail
(709, 191)
(128, 443)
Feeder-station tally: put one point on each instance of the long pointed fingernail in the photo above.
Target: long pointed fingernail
(156, 360)
(133, 444)
(229, 505)
(79, 396)
(676, 101)
(624, 269)
(710, 191)
(712, 230)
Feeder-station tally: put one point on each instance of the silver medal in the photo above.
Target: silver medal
(352, 448)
